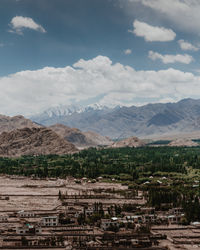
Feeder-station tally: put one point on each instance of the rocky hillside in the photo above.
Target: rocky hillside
(183, 143)
(133, 142)
(17, 122)
(33, 141)
(80, 139)
(123, 122)
(97, 139)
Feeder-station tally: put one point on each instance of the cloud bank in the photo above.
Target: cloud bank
(30, 92)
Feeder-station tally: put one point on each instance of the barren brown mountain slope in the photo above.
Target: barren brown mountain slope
(97, 139)
(183, 143)
(79, 138)
(129, 142)
(16, 122)
(33, 141)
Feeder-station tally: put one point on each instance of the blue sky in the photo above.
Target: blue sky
(74, 29)
(114, 52)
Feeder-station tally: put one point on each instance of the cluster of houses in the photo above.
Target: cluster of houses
(26, 228)
(88, 221)
(34, 228)
(63, 227)
(31, 223)
(148, 217)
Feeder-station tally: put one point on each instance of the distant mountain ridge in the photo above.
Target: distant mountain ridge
(64, 110)
(123, 122)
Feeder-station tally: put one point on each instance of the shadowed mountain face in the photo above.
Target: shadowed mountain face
(123, 122)
(80, 139)
(168, 117)
(33, 141)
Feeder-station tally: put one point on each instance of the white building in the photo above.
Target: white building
(26, 214)
(49, 221)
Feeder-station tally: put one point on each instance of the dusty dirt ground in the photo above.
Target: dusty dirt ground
(29, 194)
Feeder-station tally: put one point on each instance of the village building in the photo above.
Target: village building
(147, 210)
(107, 223)
(149, 218)
(28, 229)
(49, 221)
(137, 219)
(3, 218)
(176, 211)
(89, 211)
(26, 214)
(174, 219)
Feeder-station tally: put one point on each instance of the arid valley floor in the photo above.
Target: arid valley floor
(25, 203)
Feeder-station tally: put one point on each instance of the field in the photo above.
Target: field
(29, 194)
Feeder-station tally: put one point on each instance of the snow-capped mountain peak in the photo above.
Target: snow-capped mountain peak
(64, 110)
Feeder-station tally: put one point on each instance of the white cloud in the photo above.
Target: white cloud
(186, 59)
(127, 51)
(183, 14)
(152, 33)
(19, 23)
(29, 92)
(187, 46)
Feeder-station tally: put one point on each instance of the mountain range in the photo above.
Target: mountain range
(177, 122)
(122, 122)
(20, 136)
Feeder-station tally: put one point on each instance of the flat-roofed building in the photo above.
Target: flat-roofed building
(49, 221)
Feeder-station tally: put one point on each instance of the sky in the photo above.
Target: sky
(110, 52)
